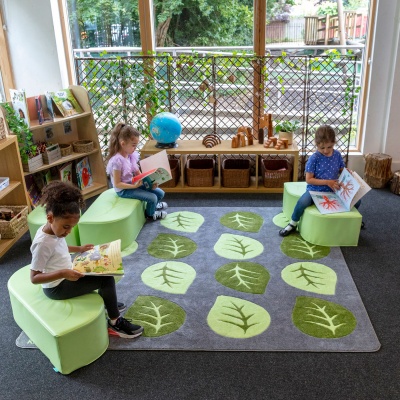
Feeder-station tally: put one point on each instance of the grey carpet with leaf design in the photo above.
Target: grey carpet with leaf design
(223, 279)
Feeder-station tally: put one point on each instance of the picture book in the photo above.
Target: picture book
(65, 172)
(103, 259)
(20, 104)
(352, 188)
(155, 169)
(39, 109)
(3, 125)
(47, 105)
(83, 173)
(33, 190)
(66, 103)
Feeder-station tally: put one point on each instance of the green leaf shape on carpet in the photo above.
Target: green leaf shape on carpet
(242, 221)
(169, 276)
(237, 247)
(244, 277)
(237, 318)
(322, 319)
(158, 316)
(184, 221)
(129, 249)
(171, 246)
(296, 247)
(280, 220)
(311, 277)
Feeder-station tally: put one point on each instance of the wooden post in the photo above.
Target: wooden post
(260, 10)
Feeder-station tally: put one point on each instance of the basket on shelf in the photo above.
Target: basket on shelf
(51, 154)
(33, 163)
(175, 172)
(10, 229)
(275, 172)
(66, 149)
(200, 172)
(82, 146)
(235, 173)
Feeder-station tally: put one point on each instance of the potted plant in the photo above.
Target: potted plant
(286, 128)
(31, 158)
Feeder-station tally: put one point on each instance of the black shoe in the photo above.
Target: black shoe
(123, 328)
(285, 232)
(121, 307)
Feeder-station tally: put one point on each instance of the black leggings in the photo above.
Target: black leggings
(87, 284)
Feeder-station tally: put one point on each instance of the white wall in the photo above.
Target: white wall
(382, 119)
(32, 45)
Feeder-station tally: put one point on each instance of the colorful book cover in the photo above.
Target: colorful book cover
(47, 104)
(155, 169)
(20, 104)
(66, 103)
(65, 172)
(103, 259)
(352, 188)
(39, 109)
(83, 173)
(33, 190)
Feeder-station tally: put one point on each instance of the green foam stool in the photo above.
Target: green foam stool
(292, 191)
(110, 218)
(70, 333)
(338, 229)
(37, 218)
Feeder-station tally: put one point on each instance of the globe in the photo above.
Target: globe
(165, 128)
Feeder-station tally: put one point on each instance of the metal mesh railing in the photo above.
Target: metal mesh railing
(218, 94)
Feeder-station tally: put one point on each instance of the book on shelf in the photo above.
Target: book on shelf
(4, 131)
(83, 173)
(66, 103)
(33, 190)
(20, 104)
(65, 172)
(352, 188)
(39, 109)
(155, 169)
(103, 259)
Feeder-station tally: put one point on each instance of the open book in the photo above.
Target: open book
(103, 259)
(155, 169)
(352, 188)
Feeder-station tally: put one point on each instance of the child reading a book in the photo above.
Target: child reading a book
(322, 172)
(51, 260)
(123, 165)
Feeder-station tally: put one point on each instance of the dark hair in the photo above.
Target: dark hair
(121, 132)
(325, 134)
(62, 198)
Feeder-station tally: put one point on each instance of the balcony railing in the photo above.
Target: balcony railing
(218, 90)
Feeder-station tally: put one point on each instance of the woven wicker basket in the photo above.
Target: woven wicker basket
(66, 149)
(200, 172)
(235, 173)
(175, 172)
(82, 146)
(10, 229)
(275, 172)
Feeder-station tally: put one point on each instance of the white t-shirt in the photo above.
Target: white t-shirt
(49, 253)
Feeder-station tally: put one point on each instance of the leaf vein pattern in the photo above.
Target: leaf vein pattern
(239, 319)
(325, 317)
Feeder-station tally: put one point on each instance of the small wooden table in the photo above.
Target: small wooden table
(186, 147)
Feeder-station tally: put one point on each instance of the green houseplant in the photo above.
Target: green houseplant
(286, 128)
(27, 148)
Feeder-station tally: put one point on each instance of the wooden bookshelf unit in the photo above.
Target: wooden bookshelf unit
(195, 147)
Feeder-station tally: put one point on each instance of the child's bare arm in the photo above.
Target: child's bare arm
(46, 277)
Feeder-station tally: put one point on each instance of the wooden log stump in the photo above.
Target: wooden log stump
(395, 183)
(377, 171)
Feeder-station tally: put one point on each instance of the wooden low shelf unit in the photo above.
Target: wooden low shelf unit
(195, 147)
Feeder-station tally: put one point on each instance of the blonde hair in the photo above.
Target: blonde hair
(121, 132)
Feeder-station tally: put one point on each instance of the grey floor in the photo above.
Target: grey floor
(374, 265)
